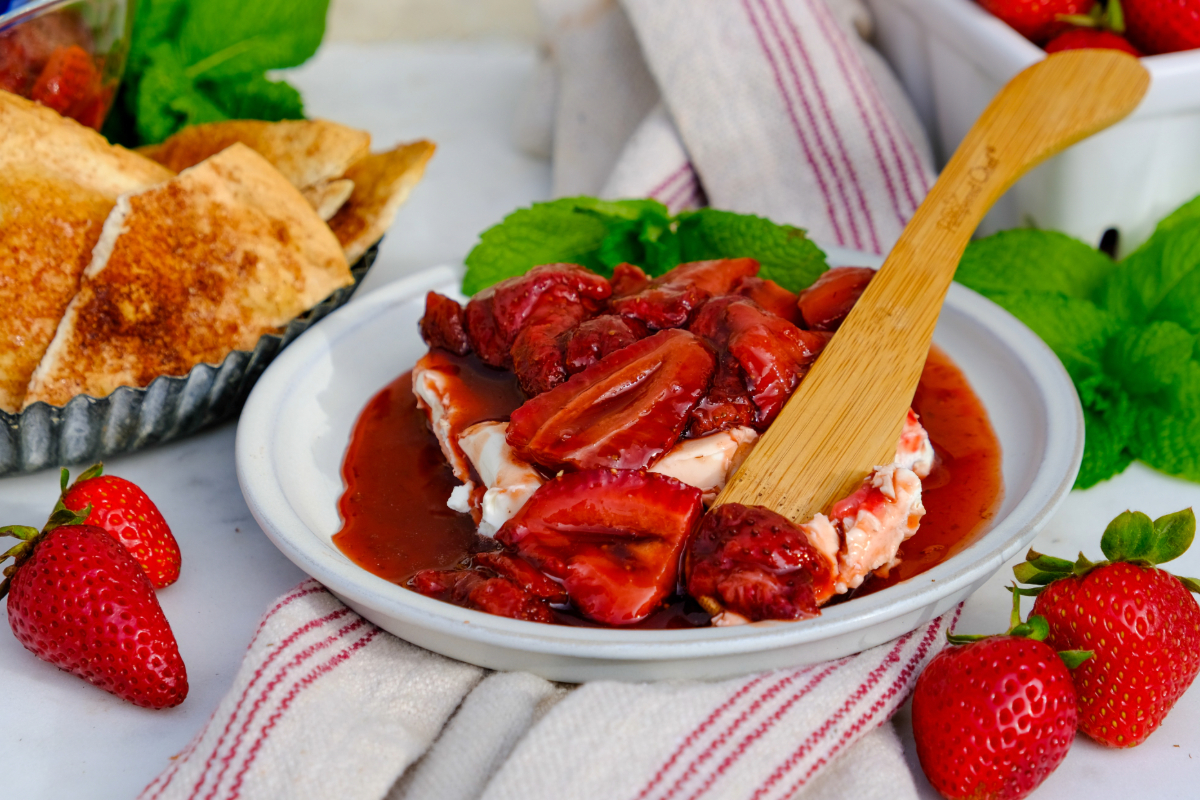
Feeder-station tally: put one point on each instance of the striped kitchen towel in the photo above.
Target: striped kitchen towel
(327, 705)
(771, 107)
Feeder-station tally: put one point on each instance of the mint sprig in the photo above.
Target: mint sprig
(196, 61)
(599, 234)
(1126, 331)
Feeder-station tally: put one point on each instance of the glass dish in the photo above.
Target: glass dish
(68, 55)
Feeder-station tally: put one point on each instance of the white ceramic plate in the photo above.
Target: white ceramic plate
(297, 423)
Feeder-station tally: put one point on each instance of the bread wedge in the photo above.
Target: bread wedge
(48, 227)
(31, 134)
(186, 272)
(382, 182)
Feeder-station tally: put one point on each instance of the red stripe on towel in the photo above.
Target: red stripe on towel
(796, 126)
(863, 691)
(766, 697)
(849, 174)
(699, 731)
(258, 673)
(279, 678)
(304, 683)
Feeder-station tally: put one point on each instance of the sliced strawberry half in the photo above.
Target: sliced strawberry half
(496, 315)
(758, 564)
(669, 300)
(772, 353)
(827, 302)
(623, 412)
(613, 537)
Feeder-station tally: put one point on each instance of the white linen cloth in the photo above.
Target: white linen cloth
(327, 705)
(771, 107)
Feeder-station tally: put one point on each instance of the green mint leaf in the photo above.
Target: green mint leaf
(1073, 658)
(1173, 535)
(256, 97)
(1033, 261)
(1168, 440)
(167, 99)
(1128, 537)
(1109, 417)
(1149, 359)
(546, 233)
(641, 233)
(785, 253)
(230, 38)
(1160, 280)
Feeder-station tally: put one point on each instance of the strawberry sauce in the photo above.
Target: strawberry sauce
(396, 523)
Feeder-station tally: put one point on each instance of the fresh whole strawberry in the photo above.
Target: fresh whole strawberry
(1142, 622)
(993, 716)
(1036, 20)
(1090, 39)
(1101, 29)
(121, 508)
(1163, 26)
(77, 599)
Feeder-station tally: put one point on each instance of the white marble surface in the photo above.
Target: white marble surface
(65, 739)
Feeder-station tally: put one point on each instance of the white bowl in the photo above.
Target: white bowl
(952, 57)
(297, 423)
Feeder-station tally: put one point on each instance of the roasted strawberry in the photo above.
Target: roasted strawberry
(757, 564)
(537, 352)
(130, 516)
(770, 297)
(595, 338)
(496, 315)
(442, 326)
(69, 83)
(523, 574)
(78, 599)
(727, 403)
(475, 588)
(1142, 622)
(622, 412)
(827, 302)
(773, 354)
(26, 48)
(669, 300)
(613, 537)
(627, 279)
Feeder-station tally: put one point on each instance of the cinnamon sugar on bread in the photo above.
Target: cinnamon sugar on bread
(188, 271)
(48, 227)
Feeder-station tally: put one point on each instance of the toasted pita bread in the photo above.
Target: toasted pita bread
(307, 152)
(382, 183)
(33, 134)
(186, 272)
(328, 197)
(48, 226)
